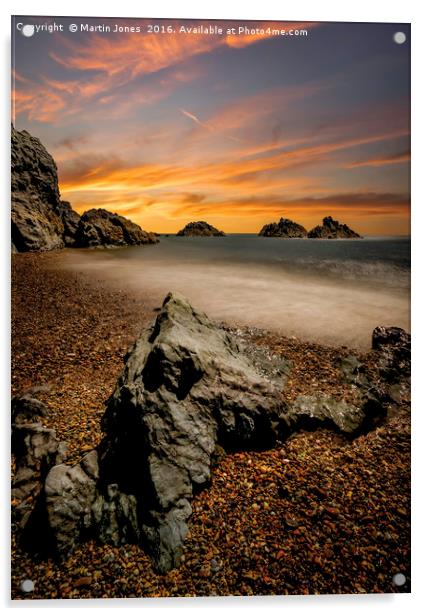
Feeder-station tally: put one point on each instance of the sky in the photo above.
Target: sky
(235, 129)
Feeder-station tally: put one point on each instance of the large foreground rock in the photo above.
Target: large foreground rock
(332, 229)
(200, 229)
(99, 227)
(284, 228)
(186, 386)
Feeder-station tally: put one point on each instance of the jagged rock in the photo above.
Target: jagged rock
(26, 409)
(393, 347)
(89, 464)
(313, 411)
(70, 494)
(35, 449)
(186, 385)
(36, 223)
(353, 371)
(332, 229)
(98, 227)
(200, 229)
(115, 517)
(284, 228)
(70, 220)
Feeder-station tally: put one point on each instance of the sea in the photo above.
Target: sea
(334, 292)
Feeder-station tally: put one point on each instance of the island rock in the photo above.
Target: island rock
(200, 229)
(332, 229)
(284, 228)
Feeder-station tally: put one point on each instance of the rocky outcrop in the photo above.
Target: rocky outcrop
(42, 221)
(99, 227)
(332, 229)
(70, 220)
(36, 220)
(186, 386)
(187, 391)
(284, 228)
(200, 229)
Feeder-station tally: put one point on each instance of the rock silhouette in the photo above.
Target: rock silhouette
(332, 229)
(284, 228)
(200, 229)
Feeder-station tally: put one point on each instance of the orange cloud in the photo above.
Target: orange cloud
(104, 173)
(363, 202)
(149, 53)
(380, 161)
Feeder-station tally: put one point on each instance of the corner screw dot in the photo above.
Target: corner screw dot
(399, 38)
(399, 579)
(27, 586)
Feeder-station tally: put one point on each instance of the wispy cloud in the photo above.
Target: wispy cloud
(195, 119)
(381, 161)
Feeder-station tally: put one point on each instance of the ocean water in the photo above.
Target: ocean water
(328, 291)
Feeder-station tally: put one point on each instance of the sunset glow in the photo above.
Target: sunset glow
(234, 130)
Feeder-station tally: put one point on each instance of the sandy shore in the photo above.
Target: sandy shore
(317, 514)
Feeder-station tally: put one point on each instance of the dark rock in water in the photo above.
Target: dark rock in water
(186, 385)
(70, 220)
(100, 227)
(283, 228)
(332, 229)
(310, 412)
(394, 349)
(200, 229)
(36, 221)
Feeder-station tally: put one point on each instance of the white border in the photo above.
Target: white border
(310, 10)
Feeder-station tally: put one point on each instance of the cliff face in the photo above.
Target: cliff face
(284, 228)
(332, 229)
(36, 219)
(41, 221)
